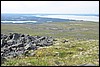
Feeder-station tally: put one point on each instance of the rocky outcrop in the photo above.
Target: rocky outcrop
(15, 44)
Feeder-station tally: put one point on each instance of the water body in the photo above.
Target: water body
(19, 21)
(84, 17)
(73, 17)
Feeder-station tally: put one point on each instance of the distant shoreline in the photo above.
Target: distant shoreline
(49, 17)
(53, 14)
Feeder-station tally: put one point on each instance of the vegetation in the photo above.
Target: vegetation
(82, 46)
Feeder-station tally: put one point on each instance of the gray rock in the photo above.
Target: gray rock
(10, 35)
(2, 59)
(19, 45)
(22, 40)
(10, 42)
(64, 41)
(3, 42)
(32, 54)
(8, 38)
(22, 35)
(30, 46)
(3, 36)
(42, 38)
(55, 40)
(11, 54)
(19, 53)
(15, 44)
(15, 36)
(87, 65)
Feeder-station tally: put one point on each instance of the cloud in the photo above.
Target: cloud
(50, 7)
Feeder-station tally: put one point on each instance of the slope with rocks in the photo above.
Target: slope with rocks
(16, 44)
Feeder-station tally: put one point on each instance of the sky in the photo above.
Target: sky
(50, 7)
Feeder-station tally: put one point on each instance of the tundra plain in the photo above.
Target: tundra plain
(82, 46)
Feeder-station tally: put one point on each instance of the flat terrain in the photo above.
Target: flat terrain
(82, 46)
(87, 30)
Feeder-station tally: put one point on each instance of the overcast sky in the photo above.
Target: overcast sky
(51, 7)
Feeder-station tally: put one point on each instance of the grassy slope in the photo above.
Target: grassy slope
(72, 53)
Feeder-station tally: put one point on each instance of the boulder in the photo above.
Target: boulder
(10, 42)
(16, 36)
(42, 38)
(19, 53)
(10, 35)
(22, 35)
(3, 36)
(30, 46)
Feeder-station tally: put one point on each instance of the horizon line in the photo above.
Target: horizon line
(47, 13)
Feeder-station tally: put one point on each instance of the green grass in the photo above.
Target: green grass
(89, 30)
(61, 54)
(82, 46)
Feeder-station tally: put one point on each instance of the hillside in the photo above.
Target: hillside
(75, 43)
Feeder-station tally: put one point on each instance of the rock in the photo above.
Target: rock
(19, 45)
(49, 40)
(15, 44)
(42, 38)
(21, 40)
(3, 42)
(55, 40)
(3, 36)
(56, 54)
(80, 49)
(2, 59)
(15, 36)
(10, 42)
(30, 46)
(22, 35)
(42, 43)
(10, 35)
(20, 53)
(64, 41)
(48, 44)
(87, 65)
(14, 49)
(26, 53)
(31, 54)
(12, 54)
(8, 38)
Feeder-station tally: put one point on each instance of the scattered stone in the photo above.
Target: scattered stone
(55, 40)
(56, 54)
(2, 60)
(64, 41)
(87, 65)
(80, 49)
